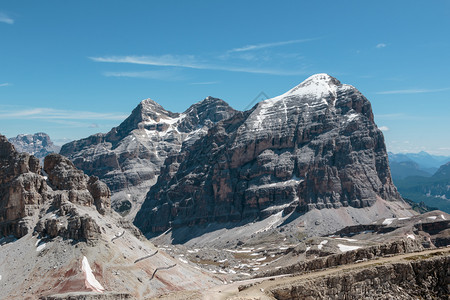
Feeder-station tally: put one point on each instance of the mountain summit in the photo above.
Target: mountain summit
(129, 157)
(313, 151)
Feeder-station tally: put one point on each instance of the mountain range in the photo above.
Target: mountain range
(314, 150)
(415, 164)
(298, 185)
(129, 157)
(38, 144)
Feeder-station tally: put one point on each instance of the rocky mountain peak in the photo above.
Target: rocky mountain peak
(321, 77)
(314, 147)
(317, 85)
(129, 157)
(38, 144)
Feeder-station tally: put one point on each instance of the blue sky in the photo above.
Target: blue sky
(76, 68)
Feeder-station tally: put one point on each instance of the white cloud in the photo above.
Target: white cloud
(189, 61)
(94, 125)
(381, 45)
(412, 91)
(205, 83)
(383, 128)
(5, 84)
(393, 116)
(269, 45)
(161, 74)
(4, 18)
(57, 114)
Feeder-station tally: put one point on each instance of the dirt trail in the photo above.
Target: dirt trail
(230, 291)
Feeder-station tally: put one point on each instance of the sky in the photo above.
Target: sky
(75, 68)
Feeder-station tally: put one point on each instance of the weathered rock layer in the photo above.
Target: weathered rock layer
(314, 147)
(421, 279)
(129, 157)
(26, 196)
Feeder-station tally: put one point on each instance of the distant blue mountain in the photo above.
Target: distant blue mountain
(414, 181)
(415, 164)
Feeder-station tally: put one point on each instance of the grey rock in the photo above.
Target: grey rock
(24, 193)
(38, 144)
(314, 147)
(421, 279)
(129, 157)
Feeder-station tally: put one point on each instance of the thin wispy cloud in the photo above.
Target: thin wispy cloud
(411, 91)
(5, 84)
(381, 45)
(4, 18)
(160, 74)
(191, 62)
(205, 83)
(56, 114)
(270, 45)
(383, 128)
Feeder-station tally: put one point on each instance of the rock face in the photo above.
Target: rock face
(314, 147)
(350, 257)
(38, 144)
(67, 243)
(129, 157)
(22, 189)
(26, 196)
(421, 279)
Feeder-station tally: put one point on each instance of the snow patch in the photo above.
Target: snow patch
(388, 221)
(40, 247)
(411, 236)
(443, 218)
(261, 259)
(351, 117)
(404, 218)
(320, 246)
(346, 239)
(183, 260)
(345, 248)
(239, 251)
(90, 280)
(432, 218)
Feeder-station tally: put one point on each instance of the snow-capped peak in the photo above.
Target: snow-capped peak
(318, 84)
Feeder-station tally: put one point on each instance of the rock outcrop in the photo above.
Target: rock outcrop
(415, 279)
(60, 239)
(26, 196)
(39, 144)
(22, 190)
(349, 257)
(315, 147)
(129, 157)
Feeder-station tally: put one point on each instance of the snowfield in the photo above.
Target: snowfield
(411, 236)
(320, 246)
(388, 221)
(90, 280)
(345, 248)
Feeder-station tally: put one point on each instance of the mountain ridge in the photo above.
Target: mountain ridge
(128, 158)
(271, 159)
